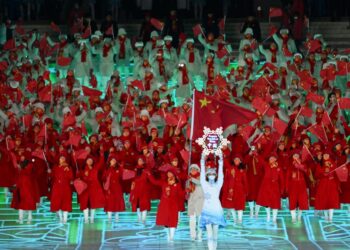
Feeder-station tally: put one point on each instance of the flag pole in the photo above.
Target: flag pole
(191, 132)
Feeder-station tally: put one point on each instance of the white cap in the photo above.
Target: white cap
(168, 38)
(121, 32)
(317, 36)
(66, 110)
(14, 84)
(248, 31)
(284, 31)
(95, 36)
(98, 109)
(297, 54)
(154, 34)
(189, 40)
(39, 105)
(163, 101)
(139, 44)
(98, 33)
(144, 112)
(62, 36)
(160, 43)
(210, 171)
(195, 166)
(107, 40)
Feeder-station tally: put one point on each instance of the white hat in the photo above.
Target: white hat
(95, 36)
(163, 101)
(14, 84)
(66, 110)
(76, 89)
(36, 57)
(139, 44)
(195, 166)
(248, 31)
(107, 40)
(297, 54)
(210, 171)
(317, 36)
(154, 34)
(98, 33)
(144, 112)
(39, 105)
(284, 31)
(77, 36)
(62, 36)
(168, 38)
(98, 109)
(160, 43)
(121, 32)
(189, 40)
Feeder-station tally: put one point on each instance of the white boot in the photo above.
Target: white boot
(300, 212)
(268, 216)
(326, 215)
(240, 216)
(139, 217)
(144, 216)
(86, 216)
(257, 209)
(59, 213)
(274, 216)
(172, 234)
(193, 227)
(92, 216)
(65, 217)
(116, 217)
(293, 213)
(330, 215)
(215, 236)
(251, 209)
(30, 217)
(234, 217)
(199, 235)
(109, 217)
(20, 216)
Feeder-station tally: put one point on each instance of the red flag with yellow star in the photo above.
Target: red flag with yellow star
(212, 113)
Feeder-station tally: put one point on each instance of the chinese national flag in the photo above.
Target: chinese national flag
(260, 105)
(220, 81)
(83, 128)
(306, 111)
(279, 125)
(129, 108)
(45, 94)
(91, 92)
(87, 33)
(305, 154)
(9, 45)
(328, 74)
(275, 12)
(344, 103)
(138, 84)
(342, 173)
(315, 98)
(212, 113)
(74, 139)
(319, 132)
(170, 119)
(197, 30)
(68, 120)
(185, 155)
(272, 30)
(32, 86)
(343, 68)
(247, 132)
(54, 27)
(81, 154)
(128, 174)
(157, 24)
(221, 53)
(63, 61)
(27, 120)
(313, 45)
(46, 75)
(326, 120)
(42, 131)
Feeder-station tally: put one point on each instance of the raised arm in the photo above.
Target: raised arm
(221, 170)
(202, 176)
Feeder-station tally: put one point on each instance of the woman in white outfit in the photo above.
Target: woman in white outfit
(195, 201)
(212, 213)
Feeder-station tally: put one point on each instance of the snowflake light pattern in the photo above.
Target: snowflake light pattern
(212, 141)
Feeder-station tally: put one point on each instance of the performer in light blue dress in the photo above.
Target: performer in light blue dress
(212, 216)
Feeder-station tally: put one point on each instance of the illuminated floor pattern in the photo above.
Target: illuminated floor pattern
(46, 233)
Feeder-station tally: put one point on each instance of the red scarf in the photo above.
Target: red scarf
(249, 68)
(273, 55)
(161, 66)
(285, 42)
(312, 66)
(191, 57)
(83, 56)
(154, 43)
(168, 46)
(185, 79)
(221, 46)
(148, 80)
(122, 48)
(210, 72)
(63, 44)
(283, 82)
(106, 50)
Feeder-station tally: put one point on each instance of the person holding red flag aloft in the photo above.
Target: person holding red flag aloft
(327, 193)
(25, 195)
(92, 196)
(113, 188)
(61, 191)
(235, 189)
(296, 187)
(271, 188)
(168, 209)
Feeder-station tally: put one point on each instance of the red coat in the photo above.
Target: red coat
(296, 186)
(8, 172)
(327, 193)
(114, 193)
(169, 206)
(93, 196)
(139, 194)
(61, 192)
(26, 194)
(271, 187)
(235, 188)
(255, 173)
(41, 176)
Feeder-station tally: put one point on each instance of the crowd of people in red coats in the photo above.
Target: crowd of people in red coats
(129, 144)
